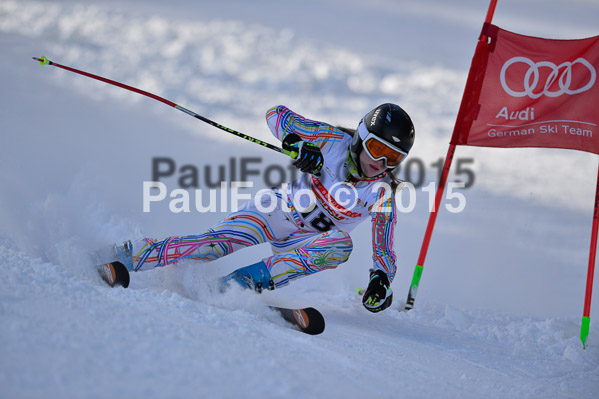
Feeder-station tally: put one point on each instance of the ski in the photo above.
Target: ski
(114, 273)
(308, 320)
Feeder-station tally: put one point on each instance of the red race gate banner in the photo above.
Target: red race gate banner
(526, 91)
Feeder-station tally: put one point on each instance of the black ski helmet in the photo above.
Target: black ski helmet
(388, 122)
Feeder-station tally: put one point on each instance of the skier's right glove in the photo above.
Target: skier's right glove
(378, 296)
(309, 158)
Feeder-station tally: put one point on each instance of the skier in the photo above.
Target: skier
(348, 175)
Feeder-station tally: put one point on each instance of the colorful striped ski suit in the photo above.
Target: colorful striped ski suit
(304, 239)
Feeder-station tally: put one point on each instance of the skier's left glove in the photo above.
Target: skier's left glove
(309, 157)
(378, 296)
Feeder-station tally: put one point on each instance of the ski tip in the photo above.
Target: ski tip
(309, 320)
(114, 273)
(122, 274)
(43, 60)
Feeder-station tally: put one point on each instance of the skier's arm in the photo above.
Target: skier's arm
(383, 226)
(299, 137)
(282, 122)
(378, 295)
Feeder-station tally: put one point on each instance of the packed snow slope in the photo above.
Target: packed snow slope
(498, 312)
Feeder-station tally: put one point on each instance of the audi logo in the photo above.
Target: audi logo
(533, 88)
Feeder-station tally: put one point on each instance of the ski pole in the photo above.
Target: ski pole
(44, 61)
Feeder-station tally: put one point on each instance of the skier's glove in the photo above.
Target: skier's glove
(309, 158)
(378, 296)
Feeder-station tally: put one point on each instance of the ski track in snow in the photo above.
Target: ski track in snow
(65, 334)
(74, 337)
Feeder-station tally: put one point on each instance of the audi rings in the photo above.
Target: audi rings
(562, 73)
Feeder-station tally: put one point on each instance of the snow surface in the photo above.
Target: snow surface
(498, 311)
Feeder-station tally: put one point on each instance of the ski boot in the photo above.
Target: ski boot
(254, 277)
(114, 264)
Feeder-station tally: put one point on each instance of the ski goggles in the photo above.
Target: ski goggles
(378, 149)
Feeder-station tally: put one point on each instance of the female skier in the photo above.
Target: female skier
(347, 175)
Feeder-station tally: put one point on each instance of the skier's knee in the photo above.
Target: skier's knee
(341, 250)
(336, 259)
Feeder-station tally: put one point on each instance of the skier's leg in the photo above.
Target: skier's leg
(296, 256)
(304, 254)
(239, 230)
(250, 225)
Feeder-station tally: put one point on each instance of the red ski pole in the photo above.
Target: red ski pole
(44, 61)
